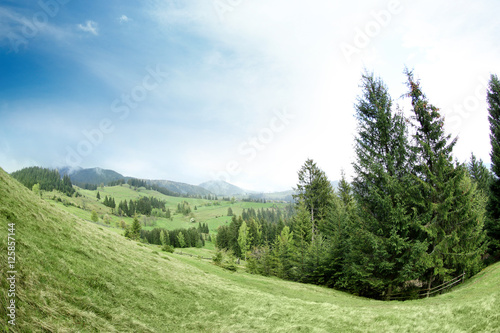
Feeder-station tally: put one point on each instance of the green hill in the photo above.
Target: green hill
(94, 176)
(73, 276)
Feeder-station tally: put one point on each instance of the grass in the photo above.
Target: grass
(206, 211)
(75, 276)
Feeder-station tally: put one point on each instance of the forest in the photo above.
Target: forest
(412, 217)
(47, 180)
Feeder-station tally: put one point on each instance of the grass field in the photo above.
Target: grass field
(75, 276)
(206, 210)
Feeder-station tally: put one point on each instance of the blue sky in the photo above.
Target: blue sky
(240, 90)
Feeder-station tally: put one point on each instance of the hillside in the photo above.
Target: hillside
(223, 188)
(94, 176)
(75, 276)
(182, 188)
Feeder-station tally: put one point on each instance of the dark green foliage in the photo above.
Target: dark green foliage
(109, 202)
(48, 179)
(449, 208)
(225, 260)
(493, 224)
(410, 217)
(117, 182)
(383, 252)
(203, 228)
(86, 186)
(315, 191)
(183, 208)
(192, 237)
(135, 230)
(480, 174)
(143, 205)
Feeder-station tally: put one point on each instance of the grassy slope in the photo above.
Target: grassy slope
(206, 212)
(76, 276)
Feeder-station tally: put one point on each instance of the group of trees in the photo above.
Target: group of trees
(178, 238)
(411, 213)
(272, 215)
(257, 232)
(108, 202)
(143, 205)
(183, 208)
(47, 179)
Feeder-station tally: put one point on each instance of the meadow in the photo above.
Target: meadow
(212, 212)
(76, 276)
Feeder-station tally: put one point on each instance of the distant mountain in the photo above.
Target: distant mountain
(182, 188)
(95, 176)
(220, 187)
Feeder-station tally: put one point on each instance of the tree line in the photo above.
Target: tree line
(47, 179)
(192, 237)
(411, 216)
(143, 205)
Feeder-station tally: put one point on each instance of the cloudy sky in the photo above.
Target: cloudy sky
(240, 90)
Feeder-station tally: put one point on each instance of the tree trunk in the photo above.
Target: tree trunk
(429, 286)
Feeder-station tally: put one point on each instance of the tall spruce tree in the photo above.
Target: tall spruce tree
(448, 205)
(316, 192)
(493, 225)
(480, 174)
(383, 252)
(301, 225)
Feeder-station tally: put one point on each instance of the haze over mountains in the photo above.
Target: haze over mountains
(97, 176)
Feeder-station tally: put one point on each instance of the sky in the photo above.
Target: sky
(239, 90)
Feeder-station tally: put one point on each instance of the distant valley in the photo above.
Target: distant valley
(98, 176)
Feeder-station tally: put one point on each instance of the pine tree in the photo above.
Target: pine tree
(135, 230)
(448, 207)
(480, 174)
(284, 254)
(181, 239)
(301, 225)
(243, 239)
(315, 191)
(493, 225)
(383, 254)
(98, 196)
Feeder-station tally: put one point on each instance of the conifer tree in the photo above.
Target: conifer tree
(284, 254)
(383, 254)
(181, 239)
(449, 208)
(480, 174)
(493, 225)
(135, 230)
(163, 238)
(243, 239)
(302, 227)
(315, 191)
(98, 196)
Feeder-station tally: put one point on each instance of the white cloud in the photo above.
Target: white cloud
(90, 26)
(124, 19)
(295, 49)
